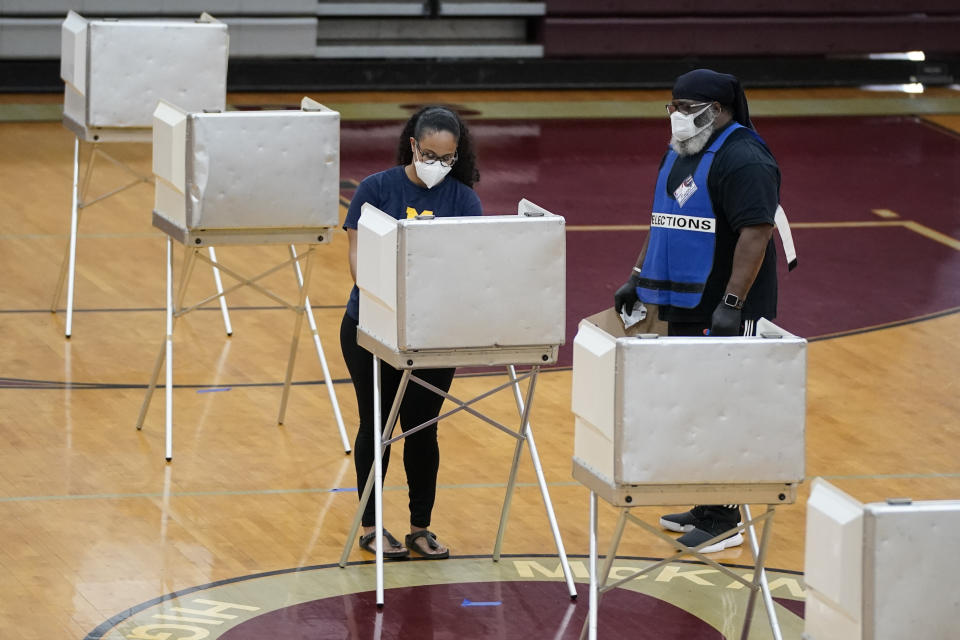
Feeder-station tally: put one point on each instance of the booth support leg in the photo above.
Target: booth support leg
(224, 311)
(168, 397)
(594, 601)
(604, 575)
(758, 578)
(68, 266)
(764, 585)
(378, 479)
(524, 410)
(368, 486)
(323, 359)
(298, 326)
(161, 355)
(548, 505)
(189, 259)
(512, 479)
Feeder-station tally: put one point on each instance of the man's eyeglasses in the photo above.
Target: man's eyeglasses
(429, 157)
(686, 108)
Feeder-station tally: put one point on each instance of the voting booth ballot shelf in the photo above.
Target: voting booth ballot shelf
(115, 72)
(880, 571)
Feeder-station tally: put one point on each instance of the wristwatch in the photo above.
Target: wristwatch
(733, 300)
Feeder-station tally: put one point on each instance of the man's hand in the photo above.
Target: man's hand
(626, 296)
(725, 321)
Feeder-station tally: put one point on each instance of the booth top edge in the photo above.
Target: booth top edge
(202, 20)
(785, 336)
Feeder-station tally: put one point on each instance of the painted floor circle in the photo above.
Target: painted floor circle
(520, 597)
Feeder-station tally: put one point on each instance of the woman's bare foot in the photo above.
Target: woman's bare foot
(425, 543)
(390, 545)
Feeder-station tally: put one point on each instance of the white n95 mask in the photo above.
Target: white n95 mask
(431, 174)
(683, 127)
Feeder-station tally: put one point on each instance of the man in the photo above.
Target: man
(709, 261)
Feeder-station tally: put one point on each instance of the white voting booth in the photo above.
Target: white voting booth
(880, 571)
(461, 291)
(242, 178)
(114, 73)
(687, 420)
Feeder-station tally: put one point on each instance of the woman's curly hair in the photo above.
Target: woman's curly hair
(438, 118)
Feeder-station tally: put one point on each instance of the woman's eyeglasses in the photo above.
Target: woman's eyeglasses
(429, 157)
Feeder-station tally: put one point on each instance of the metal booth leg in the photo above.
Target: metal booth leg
(68, 264)
(223, 300)
(378, 480)
(166, 348)
(601, 578)
(760, 575)
(368, 485)
(523, 409)
(297, 327)
(323, 360)
(594, 589)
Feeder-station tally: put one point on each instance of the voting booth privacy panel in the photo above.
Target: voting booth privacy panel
(262, 172)
(115, 71)
(880, 571)
(463, 282)
(677, 410)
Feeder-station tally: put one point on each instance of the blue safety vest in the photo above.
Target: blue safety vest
(683, 232)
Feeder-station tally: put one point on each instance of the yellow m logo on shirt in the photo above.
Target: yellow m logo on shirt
(412, 213)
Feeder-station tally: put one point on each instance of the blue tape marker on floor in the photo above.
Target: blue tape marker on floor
(342, 490)
(213, 389)
(470, 603)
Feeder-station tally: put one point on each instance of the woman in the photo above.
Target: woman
(435, 173)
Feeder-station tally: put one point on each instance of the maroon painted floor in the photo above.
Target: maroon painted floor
(839, 169)
(504, 610)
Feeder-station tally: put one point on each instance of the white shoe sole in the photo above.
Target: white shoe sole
(673, 526)
(732, 541)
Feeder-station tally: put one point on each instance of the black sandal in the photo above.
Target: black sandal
(431, 539)
(395, 550)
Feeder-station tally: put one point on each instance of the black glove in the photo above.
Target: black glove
(626, 296)
(725, 321)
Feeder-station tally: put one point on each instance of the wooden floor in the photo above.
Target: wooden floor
(93, 521)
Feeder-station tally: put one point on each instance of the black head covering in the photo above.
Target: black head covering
(709, 86)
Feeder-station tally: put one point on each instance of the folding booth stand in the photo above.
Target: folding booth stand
(462, 291)
(880, 571)
(245, 178)
(682, 421)
(114, 73)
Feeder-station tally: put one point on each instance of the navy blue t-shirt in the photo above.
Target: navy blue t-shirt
(392, 192)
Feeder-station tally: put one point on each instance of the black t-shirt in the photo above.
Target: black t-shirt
(744, 188)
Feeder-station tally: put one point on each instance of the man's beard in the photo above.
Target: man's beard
(692, 146)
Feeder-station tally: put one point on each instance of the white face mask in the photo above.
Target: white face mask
(431, 174)
(683, 126)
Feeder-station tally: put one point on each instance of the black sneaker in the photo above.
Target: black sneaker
(710, 528)
(682, 522)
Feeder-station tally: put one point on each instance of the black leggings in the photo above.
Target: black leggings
(421, 453)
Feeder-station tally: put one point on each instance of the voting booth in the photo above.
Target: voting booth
(880, 571)
(114, 73)
(687, 420)
(461, 291)
(242, 178)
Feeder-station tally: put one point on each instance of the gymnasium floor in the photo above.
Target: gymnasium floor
(245, 526)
